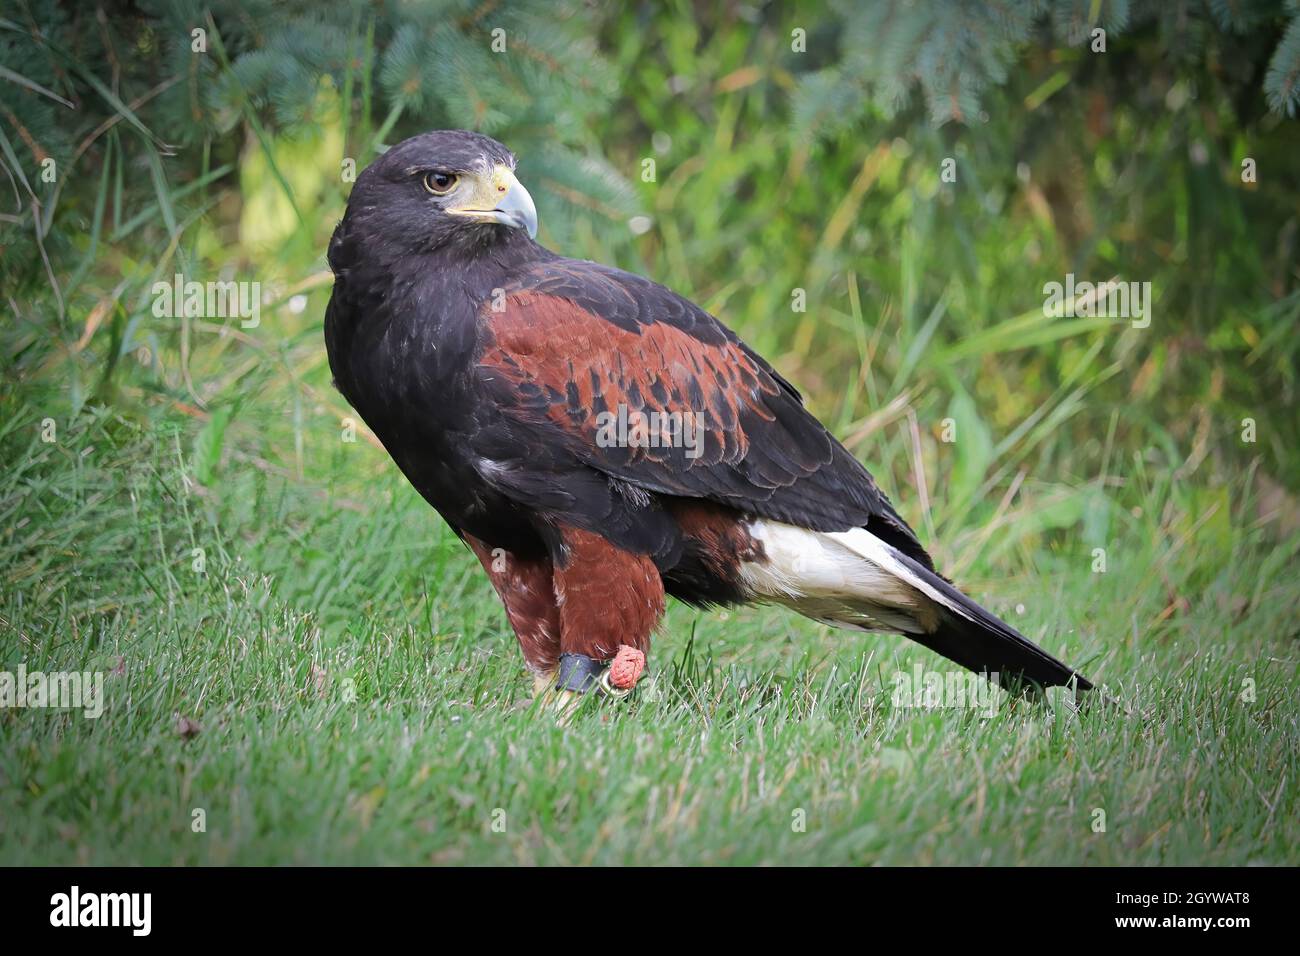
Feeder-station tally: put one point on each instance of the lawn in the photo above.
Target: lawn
(338, 685)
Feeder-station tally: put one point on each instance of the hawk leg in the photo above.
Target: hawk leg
(527, 590)
(609, 602)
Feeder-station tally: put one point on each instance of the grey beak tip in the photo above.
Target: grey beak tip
(518, 206)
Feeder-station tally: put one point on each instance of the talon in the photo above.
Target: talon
(543, 681)
(564, 704)
(554, 700)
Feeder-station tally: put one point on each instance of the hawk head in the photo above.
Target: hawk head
(444, 188)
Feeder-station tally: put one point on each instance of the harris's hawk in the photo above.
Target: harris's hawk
(600, 442)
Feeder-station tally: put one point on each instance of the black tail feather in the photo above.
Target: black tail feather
(982, 642)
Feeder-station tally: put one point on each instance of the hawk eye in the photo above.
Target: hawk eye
(440, 183)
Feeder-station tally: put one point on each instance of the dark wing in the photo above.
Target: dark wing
(570, 342)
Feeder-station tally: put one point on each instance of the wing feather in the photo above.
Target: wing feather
(575, 341)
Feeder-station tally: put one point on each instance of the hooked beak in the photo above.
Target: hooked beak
(513, 207)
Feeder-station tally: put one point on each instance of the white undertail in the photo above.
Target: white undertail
(849, 578)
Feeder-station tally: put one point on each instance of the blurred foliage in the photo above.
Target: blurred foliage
(955, 52)
(134, 99)
(780, 170)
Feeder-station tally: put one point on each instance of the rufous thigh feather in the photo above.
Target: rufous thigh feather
(527, 590)
(606, 596)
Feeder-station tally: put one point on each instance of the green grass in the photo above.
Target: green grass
(360, 699)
